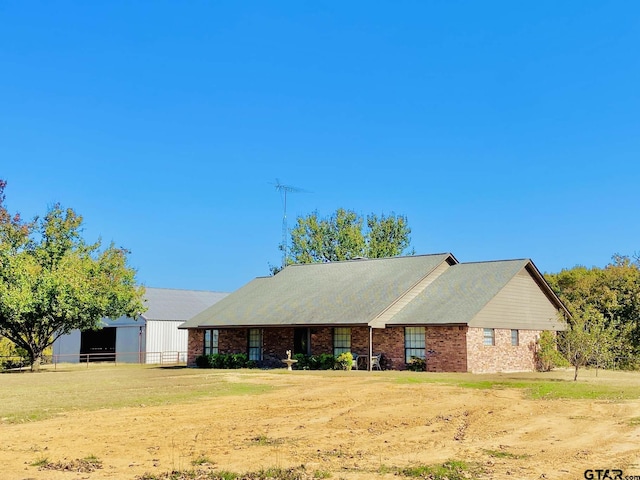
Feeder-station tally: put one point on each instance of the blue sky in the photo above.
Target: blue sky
(500, 129)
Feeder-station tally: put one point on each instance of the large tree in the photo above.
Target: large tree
(345, 235)
(52, 281)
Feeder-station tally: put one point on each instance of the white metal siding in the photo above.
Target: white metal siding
(129, 343)
(521, 304)
(164, 336)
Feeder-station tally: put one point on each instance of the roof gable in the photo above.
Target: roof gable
(464, 290)
(521, 304)
(459, 293)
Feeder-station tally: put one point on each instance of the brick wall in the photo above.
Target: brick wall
(360, 340)
(446, 348)
(276, 342)
(390, 342)
(321, 340)
(449, 349)
(501, 357)
(233, 340)
(195, 346)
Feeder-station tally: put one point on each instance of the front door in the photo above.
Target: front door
(301, 343)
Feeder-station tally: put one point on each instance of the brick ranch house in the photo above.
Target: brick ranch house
(460, 317)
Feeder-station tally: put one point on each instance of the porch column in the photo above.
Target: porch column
(370, 347)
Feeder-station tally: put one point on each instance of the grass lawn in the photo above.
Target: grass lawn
(30, 396)
(603, 385)
(78, 387)
(146, 422)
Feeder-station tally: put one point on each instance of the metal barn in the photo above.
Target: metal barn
(154, 337)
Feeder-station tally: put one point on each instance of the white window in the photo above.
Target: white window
(414, 343)
(489, 338)
(341, 340)
(255, 344)
(515, 338)
(210, 342)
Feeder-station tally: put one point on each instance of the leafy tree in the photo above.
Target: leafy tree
(52, 281)
(345, 235)
(547, 354)
(613, 292)
(588, 341)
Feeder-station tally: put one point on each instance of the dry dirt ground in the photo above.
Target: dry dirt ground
(351, 427)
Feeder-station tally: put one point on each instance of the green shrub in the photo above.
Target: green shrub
(344, 361)
(417, 364)
(302, 361)
(547, 354)
(225, 360)
(203, 361)
(324, 361)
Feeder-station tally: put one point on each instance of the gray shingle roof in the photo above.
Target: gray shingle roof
(171, 304)
(457, 295)
(349, 293)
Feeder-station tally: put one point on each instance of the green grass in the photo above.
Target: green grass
(264, 440)
(505, 454)
(201, 460)
(82, 465)
(634, 422)
(321, 474)
(451, 470)
(298, 473)
(107, 386)
(82, 388)
(41, 462)
(551, 385)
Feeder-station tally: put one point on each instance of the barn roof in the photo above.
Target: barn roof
(164, 304)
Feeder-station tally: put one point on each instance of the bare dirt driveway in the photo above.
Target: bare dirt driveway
(341, 425)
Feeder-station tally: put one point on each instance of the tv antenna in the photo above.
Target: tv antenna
(284, 189)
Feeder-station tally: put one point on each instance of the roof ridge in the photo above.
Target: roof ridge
(497, 261)
(366, 259)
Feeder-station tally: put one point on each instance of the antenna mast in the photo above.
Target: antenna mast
(284, 189)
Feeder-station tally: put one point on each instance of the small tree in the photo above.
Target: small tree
(547, 354)
(588, 341)
(52, 282)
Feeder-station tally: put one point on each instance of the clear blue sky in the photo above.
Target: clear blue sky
(500, 129)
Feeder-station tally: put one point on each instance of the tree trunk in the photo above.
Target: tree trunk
(36, 361)
(575, 375)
